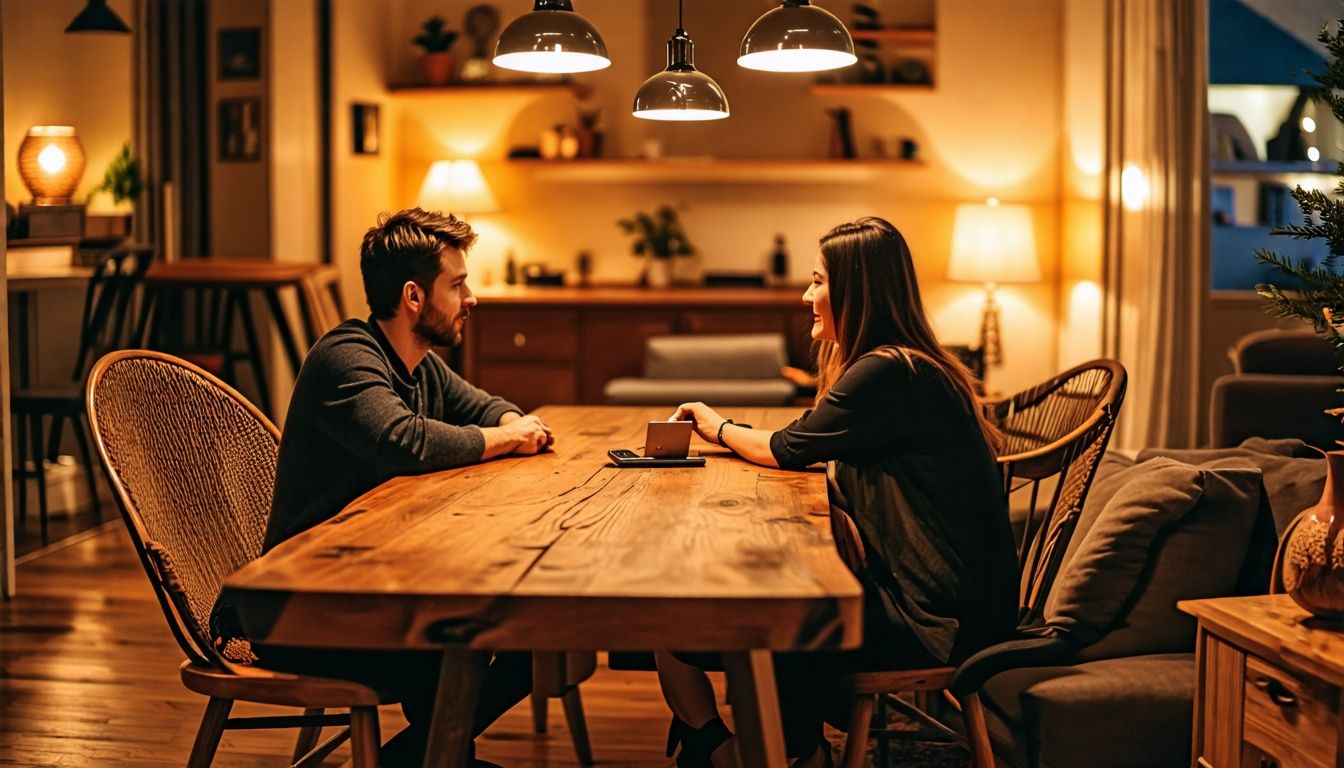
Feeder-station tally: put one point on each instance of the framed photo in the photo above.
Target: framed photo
(240, 130)
(239, 53)
(365, 134)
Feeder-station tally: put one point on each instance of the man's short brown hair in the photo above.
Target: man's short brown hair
(405, 246)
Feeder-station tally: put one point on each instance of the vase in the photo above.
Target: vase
(658, 273)
(1311, 555)
(438, 67)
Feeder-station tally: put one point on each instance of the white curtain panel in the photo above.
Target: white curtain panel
(1156, 230)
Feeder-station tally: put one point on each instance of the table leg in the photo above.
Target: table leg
(244, 305)
(21, 337)
(760, 735)
(285, 331)
(455, 707)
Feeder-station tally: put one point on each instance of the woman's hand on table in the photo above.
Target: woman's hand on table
(706, 420)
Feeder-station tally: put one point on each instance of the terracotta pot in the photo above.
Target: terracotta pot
(438, 67)
(1311, 555)
(658, 272)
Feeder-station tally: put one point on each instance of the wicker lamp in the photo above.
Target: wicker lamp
(51, 163)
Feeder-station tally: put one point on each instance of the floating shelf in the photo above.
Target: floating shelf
(1260, 167)
(921, 36)
(477, 90)
(869, 89)
(714, 170)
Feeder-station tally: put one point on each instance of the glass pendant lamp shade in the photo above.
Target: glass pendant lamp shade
(797, 37)
(551, 39)
(51, 163)
(680, 92)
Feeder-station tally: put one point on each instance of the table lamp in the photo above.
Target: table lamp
(51, 163)
(457, 187)
(992, 244)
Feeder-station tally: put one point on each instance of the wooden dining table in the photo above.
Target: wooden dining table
(563, 551)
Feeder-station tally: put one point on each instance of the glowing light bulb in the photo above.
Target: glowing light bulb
(1134, 190)
(51, 159)
(1308, 124)
(1313, 154)
(992, 202)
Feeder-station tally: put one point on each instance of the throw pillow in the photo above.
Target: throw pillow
(1168, 532)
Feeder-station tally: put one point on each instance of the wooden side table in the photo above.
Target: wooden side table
(1268, 687)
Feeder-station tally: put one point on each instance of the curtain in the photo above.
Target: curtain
(1156, 230)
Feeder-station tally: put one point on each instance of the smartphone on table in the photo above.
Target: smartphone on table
(666, 444)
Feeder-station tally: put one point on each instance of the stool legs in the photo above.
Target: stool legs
(40, 471)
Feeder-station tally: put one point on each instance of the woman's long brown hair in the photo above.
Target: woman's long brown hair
(877, 307)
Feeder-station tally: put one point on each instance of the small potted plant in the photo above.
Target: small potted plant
(437, 43)
(124, 181)
(659, 236)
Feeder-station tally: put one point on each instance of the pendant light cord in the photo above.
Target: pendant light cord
(680, 27)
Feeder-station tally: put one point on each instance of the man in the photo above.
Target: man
(371, 403)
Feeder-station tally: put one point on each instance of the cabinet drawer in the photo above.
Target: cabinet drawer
(1290, 718)
(526, 335)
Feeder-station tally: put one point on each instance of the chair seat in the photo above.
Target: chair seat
(65, 400)
(264, 686)
(886, 681)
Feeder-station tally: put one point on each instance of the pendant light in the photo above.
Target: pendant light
(797, 37)
(680, 92)
(551, 39)
(97, 17)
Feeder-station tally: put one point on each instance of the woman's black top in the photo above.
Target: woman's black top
(910, 465)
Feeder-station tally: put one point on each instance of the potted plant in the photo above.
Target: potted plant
(659, 236)
(436, 42)
(124, 181)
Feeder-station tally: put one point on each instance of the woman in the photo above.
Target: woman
(910, 460)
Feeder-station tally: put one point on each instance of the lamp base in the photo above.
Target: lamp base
(989, 331)
(51, 221)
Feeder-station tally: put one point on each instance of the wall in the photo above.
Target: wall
(239, 211)
(993, 126)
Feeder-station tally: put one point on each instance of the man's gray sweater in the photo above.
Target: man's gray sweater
(358, 418)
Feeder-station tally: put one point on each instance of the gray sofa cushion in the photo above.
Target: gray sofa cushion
(715, 356)
(717, 392)
(1243, 405)
(1117, 713)
(1171, 531)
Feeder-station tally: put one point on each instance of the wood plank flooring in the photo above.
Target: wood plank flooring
(88, 677)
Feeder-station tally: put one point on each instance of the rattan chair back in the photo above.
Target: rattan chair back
(1055, 433)
(192, 464)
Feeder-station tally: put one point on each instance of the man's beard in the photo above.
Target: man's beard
(436, 328)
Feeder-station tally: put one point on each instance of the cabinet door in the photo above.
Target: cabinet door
(529, 385)
(526, 335)
(613, 346)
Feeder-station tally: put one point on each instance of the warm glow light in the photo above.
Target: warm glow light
(457, 187)
(796, 60)
(551, 62)
(1134, 192)
(679, 115)
(1308, 124)
(51, 159)
(993, 243)
(1313, 154)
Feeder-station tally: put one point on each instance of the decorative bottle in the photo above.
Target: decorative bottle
(779, 262)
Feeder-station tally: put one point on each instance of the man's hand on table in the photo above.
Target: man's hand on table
(529, 433)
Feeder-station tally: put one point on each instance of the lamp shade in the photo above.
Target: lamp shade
(51, 163)
(551, 39)
(457, 187)
(797, 37)
(97, 17)
(993, 243)
(680, 92)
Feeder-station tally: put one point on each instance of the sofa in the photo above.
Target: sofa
(1281, 384)
(722, 369)
(1158, 527)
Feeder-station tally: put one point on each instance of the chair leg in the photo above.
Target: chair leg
(977, 731)
(308, 735)
(856, 741)
(21, 462)
(35, 434)
(54, 433)
(539, 713)
(207, 737)
(578, 726)
(90, 472)
(364, 736)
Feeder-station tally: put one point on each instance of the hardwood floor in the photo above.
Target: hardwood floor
(88, 677)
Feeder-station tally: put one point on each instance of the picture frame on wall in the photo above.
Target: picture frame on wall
(365, 130)
(238, 53)
(239, 133)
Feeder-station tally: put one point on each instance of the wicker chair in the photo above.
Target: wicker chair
(1056, 432)
(192, 465)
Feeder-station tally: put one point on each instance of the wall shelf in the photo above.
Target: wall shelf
(714, 170)
(477, 90)
(912, 36)
(869, 89)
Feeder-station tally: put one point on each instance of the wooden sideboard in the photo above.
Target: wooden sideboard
(538, 345)
(1268, 688)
